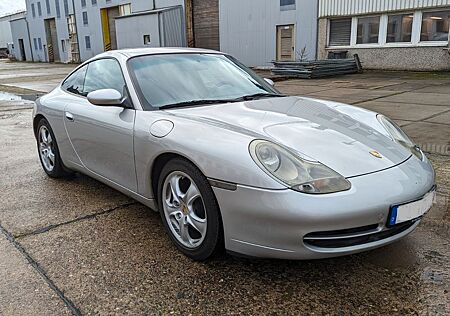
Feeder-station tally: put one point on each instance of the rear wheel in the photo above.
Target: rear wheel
(48, 151)
(189, 210)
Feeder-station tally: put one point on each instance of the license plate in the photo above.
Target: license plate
(406, 212)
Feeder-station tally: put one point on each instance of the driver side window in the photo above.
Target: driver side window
(103, 74)
(75, 82)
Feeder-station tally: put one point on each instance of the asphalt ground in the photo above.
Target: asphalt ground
(78, 247)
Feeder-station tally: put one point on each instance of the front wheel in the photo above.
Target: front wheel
(49, 152)
(189, 210)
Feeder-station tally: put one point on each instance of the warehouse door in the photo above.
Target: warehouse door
(52, 40)
(22, 50)
(109, 27)
(285, 43)
(205, 22)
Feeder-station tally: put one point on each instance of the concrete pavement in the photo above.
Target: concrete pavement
(78, 247)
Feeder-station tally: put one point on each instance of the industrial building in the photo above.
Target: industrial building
(76, 30)
(6, 39)
(255, 31)
(387, 34)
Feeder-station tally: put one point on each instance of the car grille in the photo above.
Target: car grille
(353, 236)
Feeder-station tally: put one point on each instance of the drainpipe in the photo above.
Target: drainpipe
(29, 41)
(154, 4)
(317, 29)
(76, 29)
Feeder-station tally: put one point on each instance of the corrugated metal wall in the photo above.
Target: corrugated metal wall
(355, 7)
(248, 29)
(172, 27)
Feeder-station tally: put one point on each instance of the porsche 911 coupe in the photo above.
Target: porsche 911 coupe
(230, 162)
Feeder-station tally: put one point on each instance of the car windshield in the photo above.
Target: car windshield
(171, 80)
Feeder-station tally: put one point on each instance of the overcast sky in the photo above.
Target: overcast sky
(10, 6)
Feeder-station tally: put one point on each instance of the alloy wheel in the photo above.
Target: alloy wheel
(184, 209)
(46, 148)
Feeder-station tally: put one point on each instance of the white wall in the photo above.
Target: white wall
(5, 33)
(248, 28)
(37, 27)
(130, 31)
(93, 29)
(5, 28)
(19, 31)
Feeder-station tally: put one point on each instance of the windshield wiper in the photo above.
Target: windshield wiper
(218, 101)
(196, 102)
(259, 95)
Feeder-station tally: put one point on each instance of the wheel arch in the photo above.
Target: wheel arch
(158, 164)
(36, 121)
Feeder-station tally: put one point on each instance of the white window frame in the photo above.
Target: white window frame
(415, 36)
(431, 43)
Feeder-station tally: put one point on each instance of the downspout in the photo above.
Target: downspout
(76, 29)
(317, 30)
(29, 41)
(154, 4)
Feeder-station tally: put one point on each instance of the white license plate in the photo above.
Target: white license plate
(406, 212)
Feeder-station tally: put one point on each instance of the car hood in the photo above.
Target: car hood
(309, 127)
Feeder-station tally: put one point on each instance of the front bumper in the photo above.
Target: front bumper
(279, 223)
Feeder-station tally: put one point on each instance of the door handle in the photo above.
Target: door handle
(69, 116)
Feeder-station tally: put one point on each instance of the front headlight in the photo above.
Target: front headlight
(295, 172)
(399, 136)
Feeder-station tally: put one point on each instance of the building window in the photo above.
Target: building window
(368, 30)
(399, 28)
(435, 26)
(125, 9)
(66, 8)
(94, 2)
(33, 11)
(83, 3)
(147, 39)
(85, 18)
(87, 41)
(35, 43)
(40, 43)
(340, 32)
(39, 9)
(58, 10)
(287, 5)
(47, 5)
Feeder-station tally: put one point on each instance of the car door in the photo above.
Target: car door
(102, 136)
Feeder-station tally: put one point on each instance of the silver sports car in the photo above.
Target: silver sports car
(229, 161)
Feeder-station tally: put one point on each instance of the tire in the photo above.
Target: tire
(190, 213)
(49, 153)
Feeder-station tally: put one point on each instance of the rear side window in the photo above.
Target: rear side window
(75, 82)
(104, 74)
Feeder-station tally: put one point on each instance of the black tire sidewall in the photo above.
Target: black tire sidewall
(213, 241)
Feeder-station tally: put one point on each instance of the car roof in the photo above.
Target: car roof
(132, 52)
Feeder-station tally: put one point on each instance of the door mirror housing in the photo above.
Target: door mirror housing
(269, 81)
(106, 97)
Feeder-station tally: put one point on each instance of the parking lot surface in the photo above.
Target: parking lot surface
(78, 247)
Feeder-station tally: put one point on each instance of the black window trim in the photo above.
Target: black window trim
(87, 64)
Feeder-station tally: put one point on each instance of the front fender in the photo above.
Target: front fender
(218, 152)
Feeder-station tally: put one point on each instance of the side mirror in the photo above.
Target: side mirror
(105, 97)
(269, 81)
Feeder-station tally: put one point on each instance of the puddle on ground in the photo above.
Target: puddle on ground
(6, 96)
